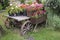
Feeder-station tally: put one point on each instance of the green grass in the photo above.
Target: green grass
(42, 34)
(46, 34)
(11, 36)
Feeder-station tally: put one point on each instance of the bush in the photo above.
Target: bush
(22, 1)
(53, 15)
(4, 3)
(56, 23)
(54, 5)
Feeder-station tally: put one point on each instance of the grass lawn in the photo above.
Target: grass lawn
(46, 34)
(42, 34)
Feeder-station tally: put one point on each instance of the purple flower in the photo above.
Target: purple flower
(43, 11)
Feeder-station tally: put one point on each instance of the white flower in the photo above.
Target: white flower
(16, 6)
(55, 7)
(10, 4)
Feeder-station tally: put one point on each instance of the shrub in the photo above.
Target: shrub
(22, 1)
(54, 5)
(4, 3)
(56, 23)
(53, 15)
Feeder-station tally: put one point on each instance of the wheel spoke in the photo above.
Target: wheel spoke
(26, 27)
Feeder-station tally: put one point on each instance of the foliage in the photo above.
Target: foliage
(14, 9)
(56, 22)
(54, 5)
(5, 3)
(53, 18)
(43, 1)
(29, 2)
(22, 1)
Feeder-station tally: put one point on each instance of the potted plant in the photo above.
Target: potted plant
(10, 13)
(10, 10)
(23, 11)
(14, 11)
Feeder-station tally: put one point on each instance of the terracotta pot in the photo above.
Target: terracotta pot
(25, 13)
(11, 14)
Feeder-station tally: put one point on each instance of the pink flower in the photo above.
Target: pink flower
(37, 5)
(41, 5)
(43, 11)
(33, 5)
(29, 7)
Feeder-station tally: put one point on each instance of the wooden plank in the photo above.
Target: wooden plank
(18, 18)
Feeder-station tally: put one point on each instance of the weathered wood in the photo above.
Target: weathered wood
(25, 27)
(18, 18)
(35, 28)
(38, 20)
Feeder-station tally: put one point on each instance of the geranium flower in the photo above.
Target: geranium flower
(41, 5)
(42, 12)
(33, 5)
(23, 6)
(34, 9)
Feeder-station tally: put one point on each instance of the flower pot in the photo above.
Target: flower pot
(24, 13)
(11, 14)
(17, 14)
(21, 13)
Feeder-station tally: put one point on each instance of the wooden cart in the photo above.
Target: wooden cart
(26, 23)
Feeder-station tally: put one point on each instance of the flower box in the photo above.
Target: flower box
(38, 20)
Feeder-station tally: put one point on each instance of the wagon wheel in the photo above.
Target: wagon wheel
(27, 26)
